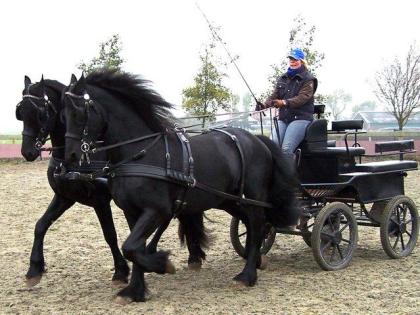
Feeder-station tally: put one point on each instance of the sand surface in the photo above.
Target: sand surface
(80, 266)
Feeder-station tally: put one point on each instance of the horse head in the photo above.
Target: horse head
(38, 111)
(84, 122)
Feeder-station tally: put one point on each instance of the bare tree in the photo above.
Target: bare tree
(398, 86)
(337, 102)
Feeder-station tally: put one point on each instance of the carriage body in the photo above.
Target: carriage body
(339, 192)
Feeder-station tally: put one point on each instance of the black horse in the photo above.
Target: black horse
(227, 169)
(41, 112)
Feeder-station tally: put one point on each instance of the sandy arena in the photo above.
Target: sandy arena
(79, 263)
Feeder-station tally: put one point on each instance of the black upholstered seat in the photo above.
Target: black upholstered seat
(316, 142)
(386, 166)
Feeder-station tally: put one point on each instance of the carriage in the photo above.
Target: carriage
(338, 193)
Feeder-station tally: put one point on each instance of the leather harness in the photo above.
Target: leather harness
(125, 167)
(129, 168)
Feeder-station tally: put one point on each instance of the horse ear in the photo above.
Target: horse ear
(42, 84)
(27, 81)
(80, 85)
(73, 79)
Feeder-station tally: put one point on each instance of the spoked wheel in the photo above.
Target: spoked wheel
(399, 227)
(238, 234)
(334, 236)
(306, 230)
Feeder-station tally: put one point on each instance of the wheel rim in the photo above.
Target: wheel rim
(337, 238)
(242, 233)
(401, 227)
(308, 226)
(266, 242)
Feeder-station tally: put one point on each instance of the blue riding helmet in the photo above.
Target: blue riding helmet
(297, 54)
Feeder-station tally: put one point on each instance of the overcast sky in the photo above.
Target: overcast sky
(162, 40)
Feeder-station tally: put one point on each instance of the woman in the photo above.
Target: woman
(294, 97)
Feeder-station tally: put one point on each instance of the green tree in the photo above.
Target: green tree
(363, 107)
(208, 93)
(109, 56)
(248, 102)
(337, 102)
(398, 86)
(300, 36)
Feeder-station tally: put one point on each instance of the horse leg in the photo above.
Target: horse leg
(56, 208)
(256, 221)
(134, 249)
(191, 229)
(136, 290)
(104, 214)
(151, 248)
(263, 262)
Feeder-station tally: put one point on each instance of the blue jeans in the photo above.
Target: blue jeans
(291, 135)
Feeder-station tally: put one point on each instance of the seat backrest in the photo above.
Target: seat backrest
(315, 136)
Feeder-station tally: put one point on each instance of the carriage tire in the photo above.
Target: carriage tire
(329, 235)
(240, 247)
(392, 227)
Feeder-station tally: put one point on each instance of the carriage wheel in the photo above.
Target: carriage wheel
(334, 236)
(399, 227)
(307, 231)
(238, 237)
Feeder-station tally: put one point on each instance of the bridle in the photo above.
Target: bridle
(42, 136)
(86, 145)
(89, 146)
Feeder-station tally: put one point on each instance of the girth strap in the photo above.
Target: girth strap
(241, 154)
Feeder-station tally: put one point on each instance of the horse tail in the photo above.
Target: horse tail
(285, 211)
(192, 231)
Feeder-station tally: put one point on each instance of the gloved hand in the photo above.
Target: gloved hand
(259, 106)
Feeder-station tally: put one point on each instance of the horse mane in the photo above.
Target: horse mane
(136, 92)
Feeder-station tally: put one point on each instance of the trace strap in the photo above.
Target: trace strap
(107, 169)
(119, 144)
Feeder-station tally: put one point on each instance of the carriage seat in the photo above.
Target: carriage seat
(343, 125)
(386, 166)
(316, 142)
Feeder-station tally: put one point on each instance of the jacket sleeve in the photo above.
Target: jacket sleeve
(304, 95)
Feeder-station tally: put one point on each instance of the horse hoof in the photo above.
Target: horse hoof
(170, 268)
(123, 300)
(31, 282)
(195, 266)
(263, 263)
(119, 283)
(239, 285)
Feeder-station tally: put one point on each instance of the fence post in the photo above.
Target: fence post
(261, 124)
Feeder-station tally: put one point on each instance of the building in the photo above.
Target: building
(385, 121)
